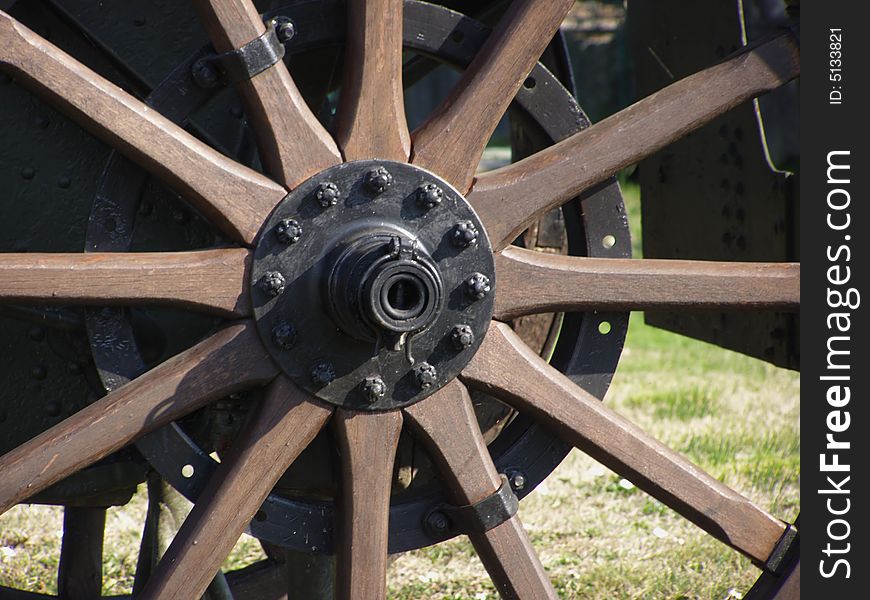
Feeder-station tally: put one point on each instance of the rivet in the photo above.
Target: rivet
(465, 234)
(477, 286)
(39, 372)
(378, 180)
(517, 480)
(288, 231)
(462, 337)
(53, 408)
(429, 195)
(285, 30)
(36, 333)
(284, 334)
(28, 172)
(273, 283)
(322, 373)
(327, 194)
(374, 389)
(426, 375)
(180, 216)
(204, 74)
(64, 183)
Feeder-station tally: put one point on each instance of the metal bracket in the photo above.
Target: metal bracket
(446, 519)
(246, 62)
(787, 545)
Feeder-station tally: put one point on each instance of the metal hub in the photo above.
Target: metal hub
(372, 284)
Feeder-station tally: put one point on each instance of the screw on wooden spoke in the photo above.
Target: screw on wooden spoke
(510, 199)
(447, 426)
(231, 196)
(507, 369)
(212, 281)
(452, 140)
(226, 362)
(367, 443)
(283, 425)
(293, 144)
(370, 122)
(535, 282)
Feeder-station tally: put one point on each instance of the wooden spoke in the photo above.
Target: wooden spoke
(506, 368)
(510, 199)
(446, 424)
(233, 197)
(370, 122)
(213, 281)
(451, 141)
(280, 428)
(535, 282)
(228, 361)
(80, 569)
(293, 144)
(367, 442)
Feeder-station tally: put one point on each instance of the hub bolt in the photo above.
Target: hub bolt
(273, 283)
(462, 337)
(465, 234)
(322, 373)
(426, 375)
(284, 29)
(429, 195)
(374, 389)
(288, 231)
(477, 286)
(378, 180)
(327, 194)
(284, 334)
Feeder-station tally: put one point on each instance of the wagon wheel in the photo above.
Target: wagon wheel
(415, 281)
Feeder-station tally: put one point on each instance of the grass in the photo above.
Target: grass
(597, 535)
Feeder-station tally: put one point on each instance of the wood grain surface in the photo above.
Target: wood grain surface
(536, 282)
(509, 199)
(213, 281)
(507, 369)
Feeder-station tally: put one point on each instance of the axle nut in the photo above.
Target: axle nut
(465, 234)
(477, 286)
(426, 375)
(429, 195)
(462, 337)
(322, 373)
(284, 334)
(327, 194)
(378, 180)
(273, 283)
(288, 231)
(374, 389)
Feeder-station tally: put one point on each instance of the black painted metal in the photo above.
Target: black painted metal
(243, 63)
(448, 520)
(340, 278)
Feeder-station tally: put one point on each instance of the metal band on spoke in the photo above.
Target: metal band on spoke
(447, 519)
(243, 63)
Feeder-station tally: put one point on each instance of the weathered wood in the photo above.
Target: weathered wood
(367, 443)
(370, 122)
(292, 142)
(280, 428)
(226, 362)
(509, 199)
(446, 425)
(213, 281)
(534, 282)
(231, 196)
(507, 369)
(80, 569)
(452, 139)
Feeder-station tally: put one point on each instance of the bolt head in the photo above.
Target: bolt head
(378, 180)
(426, 375)
(478, 286)
(327, 194)
(374, 389)
(205, 75)
(429, 195)
(273, 283)
(438, 522)
(288, 231)
(285, 30)
(518, 481)
(465, 234)
(462, 337)
(322, 373)
(284, 334)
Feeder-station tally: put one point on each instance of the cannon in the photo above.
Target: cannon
(236, 264)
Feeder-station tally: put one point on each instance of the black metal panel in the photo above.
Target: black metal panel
(713, 195)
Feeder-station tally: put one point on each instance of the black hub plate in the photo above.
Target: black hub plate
(304, 311)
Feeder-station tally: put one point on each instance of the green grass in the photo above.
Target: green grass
(598, 537)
